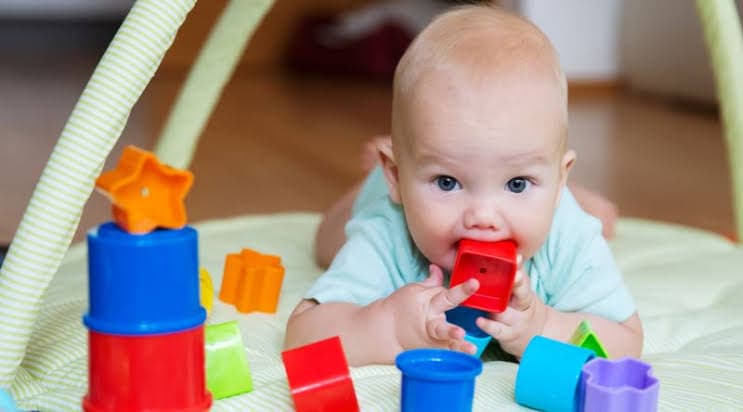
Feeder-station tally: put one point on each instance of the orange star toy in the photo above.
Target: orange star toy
(145, 193)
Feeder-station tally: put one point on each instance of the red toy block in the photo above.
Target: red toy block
(494, 265)
(318, 377)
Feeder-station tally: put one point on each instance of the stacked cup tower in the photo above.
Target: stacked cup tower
(145, 322)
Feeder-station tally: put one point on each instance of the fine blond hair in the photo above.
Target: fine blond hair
(476, 36)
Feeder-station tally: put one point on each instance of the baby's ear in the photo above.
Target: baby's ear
(389, 167)
(567, 162)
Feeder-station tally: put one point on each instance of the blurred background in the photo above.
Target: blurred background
(314, 85)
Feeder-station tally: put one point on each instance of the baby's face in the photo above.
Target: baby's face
(479, 160)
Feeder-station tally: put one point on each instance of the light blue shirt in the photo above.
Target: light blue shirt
(573, 271)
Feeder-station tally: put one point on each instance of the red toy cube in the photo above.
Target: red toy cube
(318, 377)
(491, 263)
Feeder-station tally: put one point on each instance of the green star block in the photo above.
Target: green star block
(586, 338)
(227, 369)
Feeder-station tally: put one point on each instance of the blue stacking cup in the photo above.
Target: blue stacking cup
(549, 375)
(465, 318)
(437, 380)
(143, 284)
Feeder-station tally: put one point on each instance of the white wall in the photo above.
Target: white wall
(584, 32)
(654, 46)
(663, 49)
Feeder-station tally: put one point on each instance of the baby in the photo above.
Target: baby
(478, 151)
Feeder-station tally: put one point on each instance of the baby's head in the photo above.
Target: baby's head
(479, 129)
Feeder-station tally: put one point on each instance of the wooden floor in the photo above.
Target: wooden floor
(281, 142)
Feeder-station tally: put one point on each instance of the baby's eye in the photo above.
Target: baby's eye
(447, 183)
(517, 184)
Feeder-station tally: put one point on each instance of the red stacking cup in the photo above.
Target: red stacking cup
(151, 373)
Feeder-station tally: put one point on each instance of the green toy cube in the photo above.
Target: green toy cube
(586, 338)
(227, 369)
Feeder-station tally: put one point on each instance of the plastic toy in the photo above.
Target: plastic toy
(143, 284)
(585, 337)
(549, 375)
(318, 377)
(145, 193)
(465, 318)
(163, 372)
(252, 281)
(206, 290)
(494, 265)
(146, 335)
(227, 369)
(437, 380)
(619, 385)
(6, 402)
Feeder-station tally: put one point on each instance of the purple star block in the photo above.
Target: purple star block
(625, 384)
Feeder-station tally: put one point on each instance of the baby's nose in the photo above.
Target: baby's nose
(483, 217)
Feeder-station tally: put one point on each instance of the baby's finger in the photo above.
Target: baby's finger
(436, 277)
(441, 330)
(451, 298)
(462, 346)
(508, 317)
(520, 279)
(520, 296)
(498, 330)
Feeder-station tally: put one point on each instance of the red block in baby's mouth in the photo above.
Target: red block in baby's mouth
(493, 264)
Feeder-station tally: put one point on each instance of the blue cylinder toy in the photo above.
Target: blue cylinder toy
(143, 284)
(465, 318)
(6, 402)
(549, 375)
(437, 380)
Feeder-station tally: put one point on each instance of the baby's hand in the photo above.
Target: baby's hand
(524, 318)
(420, 319)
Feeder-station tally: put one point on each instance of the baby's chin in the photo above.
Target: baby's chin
(445, 260)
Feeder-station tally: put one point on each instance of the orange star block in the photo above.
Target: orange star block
(252, 281)
(145, 193)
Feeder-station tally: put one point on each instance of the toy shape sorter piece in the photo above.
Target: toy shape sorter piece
(437, 380)
(318, 376)
(227, 368)
(145, 193)
(159, 372)
(206, 290)
(252, 281)
(625, 384)
(6, 402)
(465, 318)
(585, 337)
(549, 375)
(143, 284)
(146, 334)
(494, 265)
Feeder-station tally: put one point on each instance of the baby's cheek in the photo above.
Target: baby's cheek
(533, 232)
(448, 260)
(428, 237)
(442, 257)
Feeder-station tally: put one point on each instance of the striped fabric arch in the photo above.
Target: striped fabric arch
(724, 39)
